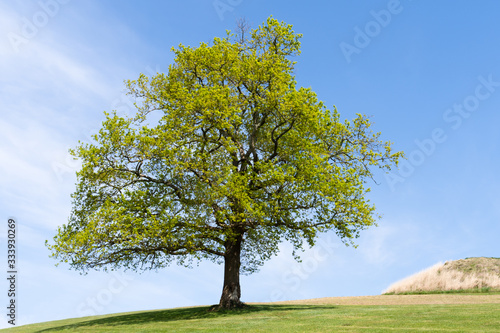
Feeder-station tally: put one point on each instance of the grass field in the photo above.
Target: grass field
(399, 313)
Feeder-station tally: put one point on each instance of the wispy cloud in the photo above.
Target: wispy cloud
(49, 99)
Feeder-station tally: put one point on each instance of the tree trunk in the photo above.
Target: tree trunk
(231, 291)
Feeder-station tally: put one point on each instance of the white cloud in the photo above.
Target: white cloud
(49, 99)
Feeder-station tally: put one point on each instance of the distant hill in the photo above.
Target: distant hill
(469, 274)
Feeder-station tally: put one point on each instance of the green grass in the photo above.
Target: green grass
(290, 318)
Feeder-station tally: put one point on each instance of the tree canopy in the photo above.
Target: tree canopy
(225, 158)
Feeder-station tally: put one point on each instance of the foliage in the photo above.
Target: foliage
(237, 150)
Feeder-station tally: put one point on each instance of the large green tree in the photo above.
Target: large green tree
(238, 160)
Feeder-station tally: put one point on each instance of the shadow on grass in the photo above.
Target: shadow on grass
(164, 316)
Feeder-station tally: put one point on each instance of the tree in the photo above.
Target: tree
(239, 161)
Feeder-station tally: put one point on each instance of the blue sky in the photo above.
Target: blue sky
(427, 72)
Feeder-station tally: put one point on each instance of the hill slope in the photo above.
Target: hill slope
(436, 313)
(465, 274)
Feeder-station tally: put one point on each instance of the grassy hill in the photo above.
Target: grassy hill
(475, 308)
(466, 275)
(455, 313)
